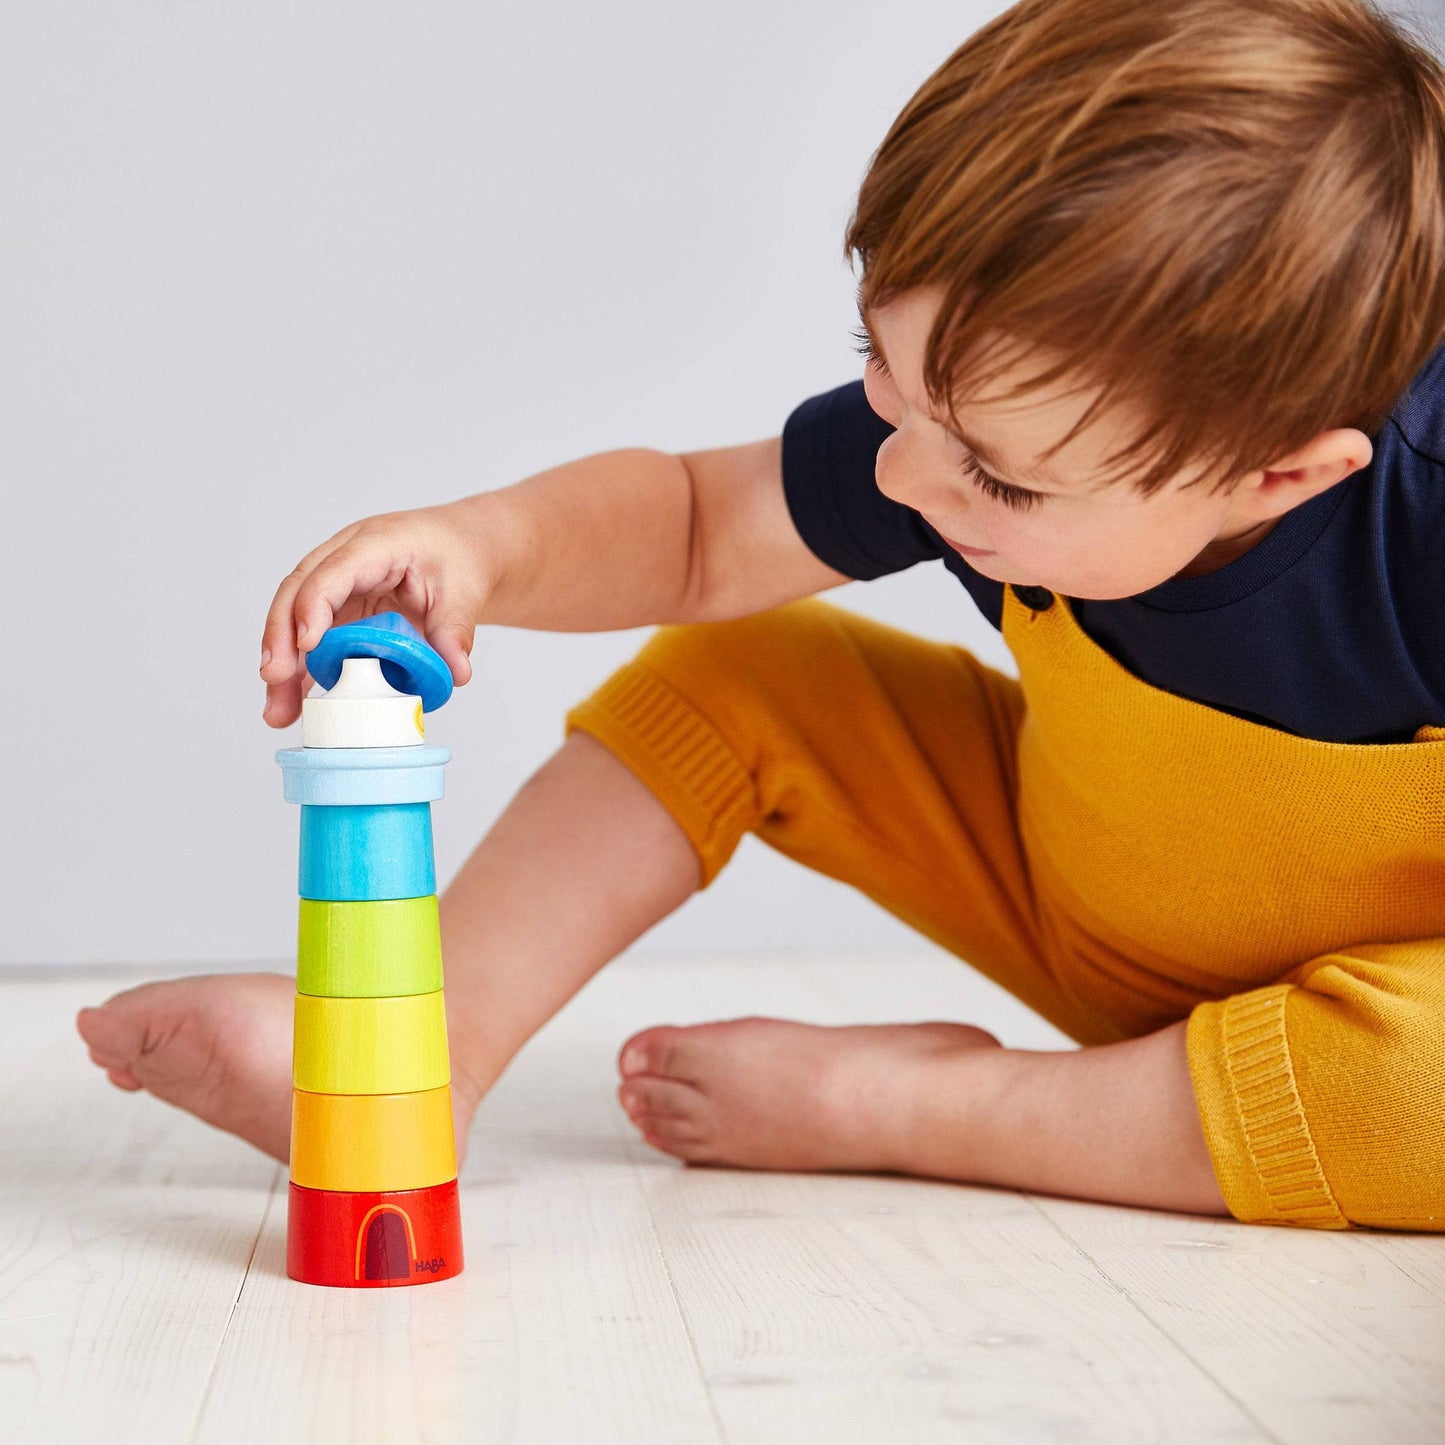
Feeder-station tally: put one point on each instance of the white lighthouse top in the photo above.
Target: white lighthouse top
(361, 710)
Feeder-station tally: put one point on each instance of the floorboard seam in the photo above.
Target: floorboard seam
(199, 1415)
(1149, 1319)
(677, 1303)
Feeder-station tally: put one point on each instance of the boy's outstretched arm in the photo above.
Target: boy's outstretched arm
(621, 539)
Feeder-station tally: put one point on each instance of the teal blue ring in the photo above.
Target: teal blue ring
(358, 855)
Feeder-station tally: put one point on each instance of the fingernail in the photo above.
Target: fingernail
(629, 1100)
(266, 711)
(301, 632)
(265, 656)
(632, 1061)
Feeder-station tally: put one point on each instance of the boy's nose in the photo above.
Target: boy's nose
(919, 487)
(910, 471)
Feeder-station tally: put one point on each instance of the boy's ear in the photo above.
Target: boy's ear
(1313, 468)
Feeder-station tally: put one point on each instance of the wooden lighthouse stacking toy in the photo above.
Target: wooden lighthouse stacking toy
(373, 1156)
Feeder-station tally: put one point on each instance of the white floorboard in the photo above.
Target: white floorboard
(613, 1295)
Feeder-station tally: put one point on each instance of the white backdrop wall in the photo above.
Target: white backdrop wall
(265, 269)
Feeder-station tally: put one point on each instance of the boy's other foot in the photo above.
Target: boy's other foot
(771, 1094)
(219, 1046)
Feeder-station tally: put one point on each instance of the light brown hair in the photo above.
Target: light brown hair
(1229, 213)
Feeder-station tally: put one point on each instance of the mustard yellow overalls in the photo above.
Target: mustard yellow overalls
(1116, 856)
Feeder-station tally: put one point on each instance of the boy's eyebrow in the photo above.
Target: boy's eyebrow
(984, 453)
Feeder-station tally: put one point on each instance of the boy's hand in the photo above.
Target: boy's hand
(430, 565)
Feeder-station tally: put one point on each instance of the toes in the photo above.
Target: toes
(109, 1043)
(113, 1042)
(91, 1024)
(662, 1051)
(681, 1146)
(147, 1037)
(114, 1034)
(669, 1114)
(681, 1137)
(645, 1097)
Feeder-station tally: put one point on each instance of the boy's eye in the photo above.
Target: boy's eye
(864, 347)
(990, 486)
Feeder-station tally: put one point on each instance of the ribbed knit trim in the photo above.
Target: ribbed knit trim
(679, 754)
(1247, 1090)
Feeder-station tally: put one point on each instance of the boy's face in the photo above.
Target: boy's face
(1056, 525)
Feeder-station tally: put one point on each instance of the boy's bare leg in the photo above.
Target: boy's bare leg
(583, 861)
(1116, 1122)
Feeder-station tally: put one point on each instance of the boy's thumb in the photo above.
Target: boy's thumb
(452, 638)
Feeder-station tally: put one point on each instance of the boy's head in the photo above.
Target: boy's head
(1180, 258)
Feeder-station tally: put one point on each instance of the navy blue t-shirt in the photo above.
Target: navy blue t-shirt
(1331, 627)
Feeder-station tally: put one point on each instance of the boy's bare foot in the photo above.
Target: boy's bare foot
(770, 1094)
(218, 1046)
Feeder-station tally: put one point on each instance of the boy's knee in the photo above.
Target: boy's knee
(1373, 1061)
(772, 647)
(1321, 1094)
(702, 706)
(694, 713)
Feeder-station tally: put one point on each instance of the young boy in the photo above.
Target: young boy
(1152, 295)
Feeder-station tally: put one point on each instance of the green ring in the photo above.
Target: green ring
(377, 949)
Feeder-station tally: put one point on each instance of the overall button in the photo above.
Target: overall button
(1039, 599)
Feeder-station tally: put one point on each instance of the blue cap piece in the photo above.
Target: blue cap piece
(408, 661)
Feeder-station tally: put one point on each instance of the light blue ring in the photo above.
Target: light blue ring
(353, 777)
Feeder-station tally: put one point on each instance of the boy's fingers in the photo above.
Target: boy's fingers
(453, 637)
(455, 658)
(348, 572)
(283, 700)
(278, 637)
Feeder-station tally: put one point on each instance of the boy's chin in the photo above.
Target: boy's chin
(1092, 590)
(997, 570)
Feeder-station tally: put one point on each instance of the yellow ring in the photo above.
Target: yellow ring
(370, 1045)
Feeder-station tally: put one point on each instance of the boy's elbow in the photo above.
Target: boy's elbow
(694, 602)
(742, 553)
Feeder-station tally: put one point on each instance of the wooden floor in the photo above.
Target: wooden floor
(613, 1295)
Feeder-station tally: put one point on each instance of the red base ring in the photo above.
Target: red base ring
(374, 1241)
